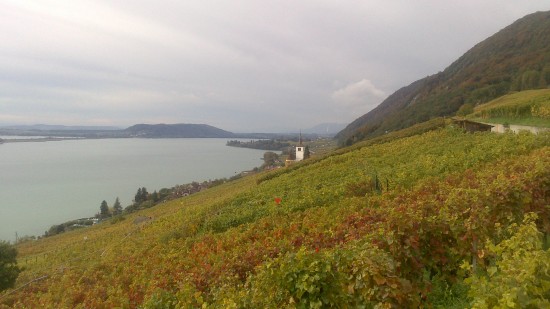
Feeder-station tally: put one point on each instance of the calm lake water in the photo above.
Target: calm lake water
(46, 183)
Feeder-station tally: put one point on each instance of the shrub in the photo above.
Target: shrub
(465, 109)
(519, 277)
(8, 266)
(357, 276)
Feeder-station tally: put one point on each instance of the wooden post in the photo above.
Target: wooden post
(474, 256)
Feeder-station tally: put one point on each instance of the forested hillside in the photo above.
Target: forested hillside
(516, 58)
(176, 130)
(431, 219)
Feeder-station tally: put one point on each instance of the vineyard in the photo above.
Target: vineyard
(442, 219)
(531, 107)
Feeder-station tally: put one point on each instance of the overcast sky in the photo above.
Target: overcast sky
(243, 66)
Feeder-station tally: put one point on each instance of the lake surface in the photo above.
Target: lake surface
(46, 183)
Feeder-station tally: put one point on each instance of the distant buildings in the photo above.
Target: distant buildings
(471, 126)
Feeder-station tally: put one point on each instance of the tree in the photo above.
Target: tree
(141, 195)
(307, 153)
(270, 158)
(292, 153)
(8, 266)
(117, 207)
(55, 229)
(155, 196)
(144, 194)
(137, 198)
(104, 209)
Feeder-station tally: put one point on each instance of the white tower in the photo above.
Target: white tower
(300, 150)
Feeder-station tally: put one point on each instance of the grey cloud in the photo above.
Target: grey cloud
(240, 65)
(358, 93)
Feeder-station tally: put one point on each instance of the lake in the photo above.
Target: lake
(46, 183)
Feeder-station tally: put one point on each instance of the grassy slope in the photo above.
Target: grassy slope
(531, 107)
(204, 247)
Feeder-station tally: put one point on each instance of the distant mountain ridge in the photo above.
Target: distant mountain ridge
(48, 127)
(181, 130)
(515, 58)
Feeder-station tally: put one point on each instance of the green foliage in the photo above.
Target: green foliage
(104, 210)
(302, 279)
(146, 200)
(141, 195)
(415, 129)
(9, 271)
(55, 229)
(117, 219)
(307, 153)
(465, 109)
(117, 207)
(445, 295)
(530, 80)
(155, 196)
(161, 299)
(360, 276)
(371, 185)
(68, 226)
(263, 144)
(185, 297)
(292, 154)
(519, 273)
(270, 159)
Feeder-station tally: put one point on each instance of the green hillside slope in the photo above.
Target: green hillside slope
(530, 107)
(516, 58)
(395, 224)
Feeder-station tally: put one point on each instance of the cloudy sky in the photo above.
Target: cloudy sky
(241, 65)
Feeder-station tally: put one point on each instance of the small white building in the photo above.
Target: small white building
(300, 151)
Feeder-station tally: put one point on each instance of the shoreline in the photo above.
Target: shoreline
(63, 167)
(44, 139)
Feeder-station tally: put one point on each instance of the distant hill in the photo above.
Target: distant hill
(514, 59)
(176, 130)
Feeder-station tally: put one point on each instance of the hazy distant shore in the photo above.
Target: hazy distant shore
(38, 139)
